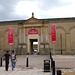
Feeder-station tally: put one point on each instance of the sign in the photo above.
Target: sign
(33, 31)
(10, 36)
(53, 31)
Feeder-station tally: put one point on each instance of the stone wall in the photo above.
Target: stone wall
(65, 36)
(4, 37)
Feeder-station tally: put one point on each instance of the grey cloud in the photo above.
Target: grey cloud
(7, 10)
(50, 4)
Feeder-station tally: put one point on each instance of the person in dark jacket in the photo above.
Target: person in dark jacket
(6, 58)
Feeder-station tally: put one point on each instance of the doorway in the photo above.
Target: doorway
(33, 46)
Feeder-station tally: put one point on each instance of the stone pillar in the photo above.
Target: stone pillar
(41, 34)
(38, 45)
(50, 37)
(28, 51)
(68, 42)
(20, 35)
(47, 37)
(24, 36)
(2, 42)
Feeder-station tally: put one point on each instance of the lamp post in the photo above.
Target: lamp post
(61, 42)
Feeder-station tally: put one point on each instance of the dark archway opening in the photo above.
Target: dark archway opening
(33, 46)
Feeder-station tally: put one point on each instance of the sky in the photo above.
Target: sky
(43, 9)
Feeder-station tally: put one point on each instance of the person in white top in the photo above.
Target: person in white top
(13, 60)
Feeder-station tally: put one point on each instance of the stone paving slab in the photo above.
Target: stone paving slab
(36, 62)
(20, 71)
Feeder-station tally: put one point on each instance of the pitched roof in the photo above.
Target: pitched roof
(9, 22)
(60, 19)
(52, 19)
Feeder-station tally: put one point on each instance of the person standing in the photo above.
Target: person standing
(13, 60)
(6, 58)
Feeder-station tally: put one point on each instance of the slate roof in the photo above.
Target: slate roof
(60, 19)
(9, 22)
(52, 19)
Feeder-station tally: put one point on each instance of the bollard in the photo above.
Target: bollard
(1, 61)
(50, 55)
(53, 68)
(27, 62)
(51, 62)
(58, 72)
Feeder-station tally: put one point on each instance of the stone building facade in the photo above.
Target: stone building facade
(39, 30)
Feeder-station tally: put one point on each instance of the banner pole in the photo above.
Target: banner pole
(54, 48)
(10, 49)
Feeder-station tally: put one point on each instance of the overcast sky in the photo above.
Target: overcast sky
(22, 9)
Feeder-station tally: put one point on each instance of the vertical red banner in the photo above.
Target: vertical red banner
(53, 31)
(10, 36)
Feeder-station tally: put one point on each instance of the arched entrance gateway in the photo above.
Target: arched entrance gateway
(32, 30)
(33, 41)
(27, 32)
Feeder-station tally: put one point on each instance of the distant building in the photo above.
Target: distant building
(28, 31)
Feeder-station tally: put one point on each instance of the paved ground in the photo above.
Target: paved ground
(36, 63)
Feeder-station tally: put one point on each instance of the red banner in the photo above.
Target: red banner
(33, 31)
(10, 36)
(53, 31)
